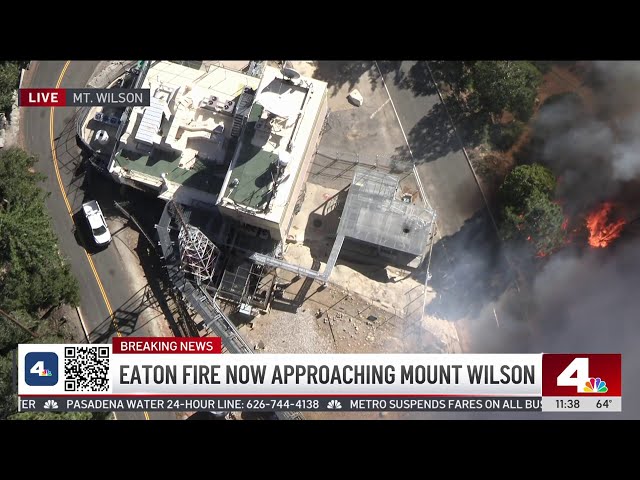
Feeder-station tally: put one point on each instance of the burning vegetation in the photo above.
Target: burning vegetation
(603, 229)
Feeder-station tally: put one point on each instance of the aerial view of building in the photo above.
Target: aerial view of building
(224, 138)
(303, 207)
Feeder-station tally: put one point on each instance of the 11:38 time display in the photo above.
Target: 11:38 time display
(569, 403)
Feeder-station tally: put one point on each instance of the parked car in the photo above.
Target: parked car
(97, 223)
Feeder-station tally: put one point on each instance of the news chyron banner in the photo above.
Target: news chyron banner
(190, 375)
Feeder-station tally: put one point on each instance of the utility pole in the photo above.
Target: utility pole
(17, 323)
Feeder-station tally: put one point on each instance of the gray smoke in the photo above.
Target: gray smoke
(579, 303)
(594, 145)
(588, 303)
(585, 300)
(582, 299)
(617, 83)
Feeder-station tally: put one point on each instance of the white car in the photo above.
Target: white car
(97, 223)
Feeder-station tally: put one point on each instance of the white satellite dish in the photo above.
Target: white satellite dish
(102, 137)
(289, 72)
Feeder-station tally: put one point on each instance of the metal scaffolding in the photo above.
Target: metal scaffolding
(373, 214)
(197, 295)
(198, 254)
(248, 283)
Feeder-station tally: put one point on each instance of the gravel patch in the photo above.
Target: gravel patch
(288, 333)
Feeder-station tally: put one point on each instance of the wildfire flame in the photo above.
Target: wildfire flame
(602, 229)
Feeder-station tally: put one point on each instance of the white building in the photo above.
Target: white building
(222, 137)
(185, 135)
(272, 159)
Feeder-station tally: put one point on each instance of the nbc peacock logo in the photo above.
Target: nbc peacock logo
(595, 385)
(51, 405)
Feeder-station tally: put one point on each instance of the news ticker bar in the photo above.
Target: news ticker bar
(84, 97)
(134, 403)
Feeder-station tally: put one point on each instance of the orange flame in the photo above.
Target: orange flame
(602, 230)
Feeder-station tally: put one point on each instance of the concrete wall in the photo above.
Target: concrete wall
(272, 227)
(303, 172)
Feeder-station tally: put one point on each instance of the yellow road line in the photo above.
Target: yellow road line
(70, 211)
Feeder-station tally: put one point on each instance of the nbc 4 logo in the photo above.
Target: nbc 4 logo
(51, 405)
(334, 405)
(577, 374)
(41, 369)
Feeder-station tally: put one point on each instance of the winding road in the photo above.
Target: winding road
(106, 290)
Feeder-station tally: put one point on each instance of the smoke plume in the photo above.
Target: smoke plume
(593, 143)
(582, 299)
(585, 300)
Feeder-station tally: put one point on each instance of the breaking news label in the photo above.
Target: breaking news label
(191, 374)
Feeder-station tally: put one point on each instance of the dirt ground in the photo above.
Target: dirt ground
(67, 322)
(366, 308)
(330, 321)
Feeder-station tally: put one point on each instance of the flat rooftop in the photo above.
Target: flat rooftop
(202, 175)
(279, 125)
(253, 168)
(221, 81)
(186, 131)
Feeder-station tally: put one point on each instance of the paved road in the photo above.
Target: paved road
(442, 166)
(105, 286)
(469, 270)
(35, 123)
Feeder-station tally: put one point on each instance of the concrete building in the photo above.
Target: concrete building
(274, 152)
(182, 143)
(215, 136)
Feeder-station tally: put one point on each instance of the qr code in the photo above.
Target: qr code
(86, 369)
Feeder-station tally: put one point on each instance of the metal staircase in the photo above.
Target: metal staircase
(237, 125)
(242, 112)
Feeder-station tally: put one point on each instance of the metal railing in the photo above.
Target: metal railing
(81, 115)
(82, 112)
(262, 259)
